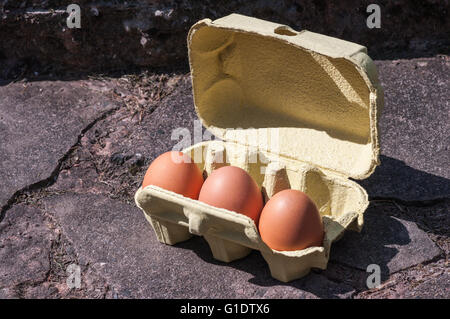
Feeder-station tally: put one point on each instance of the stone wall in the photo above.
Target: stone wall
(152, 33)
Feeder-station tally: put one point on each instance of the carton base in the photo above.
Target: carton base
(167, 232)
(232, 236)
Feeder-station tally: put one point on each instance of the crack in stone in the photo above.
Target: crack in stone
(357, 289)
(59, 255)
(432, 260)
(394, 280)
(55, 173)
(410, 203)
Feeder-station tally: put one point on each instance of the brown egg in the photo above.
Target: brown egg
(176, 172)
(232, 188)
(290, 221)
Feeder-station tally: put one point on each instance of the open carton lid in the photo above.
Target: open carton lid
(302, 95)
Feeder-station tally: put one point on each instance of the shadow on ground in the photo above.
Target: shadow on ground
(31, 71)
(258, 268)
(382, 234)
(414, 196)
(394, 179)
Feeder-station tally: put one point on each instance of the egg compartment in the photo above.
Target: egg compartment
(305, 105)
(232, 236)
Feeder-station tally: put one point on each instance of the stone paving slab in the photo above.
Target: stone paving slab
(390, 242)
(415, 131)
(34, 257)
(117, 239)
(25, 244)
(435, 220)
(115, 153)
(39, 122)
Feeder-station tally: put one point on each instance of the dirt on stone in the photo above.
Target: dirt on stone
(107, 160)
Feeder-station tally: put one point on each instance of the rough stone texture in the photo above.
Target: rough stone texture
(153, 33)
(116, 152)
(432, 281)
(345, 275)
(25, 244)
(34, 256)
(390, 242)
(39, 123)
(117, 238)
(435, 220)
(415, 131)
(8, 293)
(311, 286)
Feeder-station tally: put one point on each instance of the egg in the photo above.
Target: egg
(176, 172)
(232, 188)
(290, 221)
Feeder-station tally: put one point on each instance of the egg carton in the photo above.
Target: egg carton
(295, 109)
(232, 236)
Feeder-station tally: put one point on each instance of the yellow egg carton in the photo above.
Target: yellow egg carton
(295, 110)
